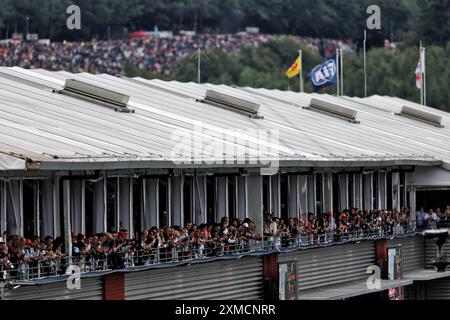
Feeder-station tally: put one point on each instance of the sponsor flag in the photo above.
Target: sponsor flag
(420, 70)
(325, 74)
(295, 69)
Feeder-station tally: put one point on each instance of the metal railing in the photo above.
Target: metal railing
(185, 253)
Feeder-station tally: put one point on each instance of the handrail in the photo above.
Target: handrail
(193, 252)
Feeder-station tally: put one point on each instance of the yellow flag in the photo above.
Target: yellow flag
(295, 69)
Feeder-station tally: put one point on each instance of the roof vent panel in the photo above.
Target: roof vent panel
(97, 95)
(422, 116)
(232, 103)
(333, 109)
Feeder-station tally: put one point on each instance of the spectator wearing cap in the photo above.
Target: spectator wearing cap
(343, 222)
(123, 234)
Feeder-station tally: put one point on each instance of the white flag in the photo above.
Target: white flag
(420, 70)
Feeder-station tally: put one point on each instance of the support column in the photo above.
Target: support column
(83, 207)
(368, 191)
(407, 188)
(105, 203)
(21, 217)
(396, 190)
(200, 215)
(3, 226)
(327, 192)
(221, 198)
(382, 187)
(169, 205)
(150, 214)
(294, 196)
(47, 211)
(311, 194)
(381, 256)
(76, 206)
(114, 287)
(37, 208)
(2, 208)
(125, 204)
(56, 208)
(275, 203)
(303, 188)
(100, 206)
(176, 199)
(67, 218)
(271, 277)
(357, 187)
(412, 197)
(343, 192)
(255, 201)
(241, 197)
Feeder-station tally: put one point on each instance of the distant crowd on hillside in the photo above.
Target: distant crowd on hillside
(155, 54)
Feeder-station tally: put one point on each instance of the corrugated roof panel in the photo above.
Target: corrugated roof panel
(38, 121)
(333, 129)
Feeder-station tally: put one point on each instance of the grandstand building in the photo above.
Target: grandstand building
(90, 153)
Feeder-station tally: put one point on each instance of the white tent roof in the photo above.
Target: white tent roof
(60, 132)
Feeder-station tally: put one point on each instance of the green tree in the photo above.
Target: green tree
(5, 13)
(316, 18)
(392, 74)
(389, 73)
(433, 22)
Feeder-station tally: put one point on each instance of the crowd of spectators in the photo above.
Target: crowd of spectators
(328, 227)
(433, 218)
(154, 54)
(20, 255)
(35, 257)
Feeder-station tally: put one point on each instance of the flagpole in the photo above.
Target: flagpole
(421, 73)
(338, 73)
(365, 64)
(301, 70)
(424, 77)
(199, 65)
(342, 71)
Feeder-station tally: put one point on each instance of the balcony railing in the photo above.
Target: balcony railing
(125, 259)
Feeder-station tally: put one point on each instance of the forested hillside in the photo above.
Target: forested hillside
(390, 72)
(412, 19)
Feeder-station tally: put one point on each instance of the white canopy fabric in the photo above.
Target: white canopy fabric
(11, 163)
